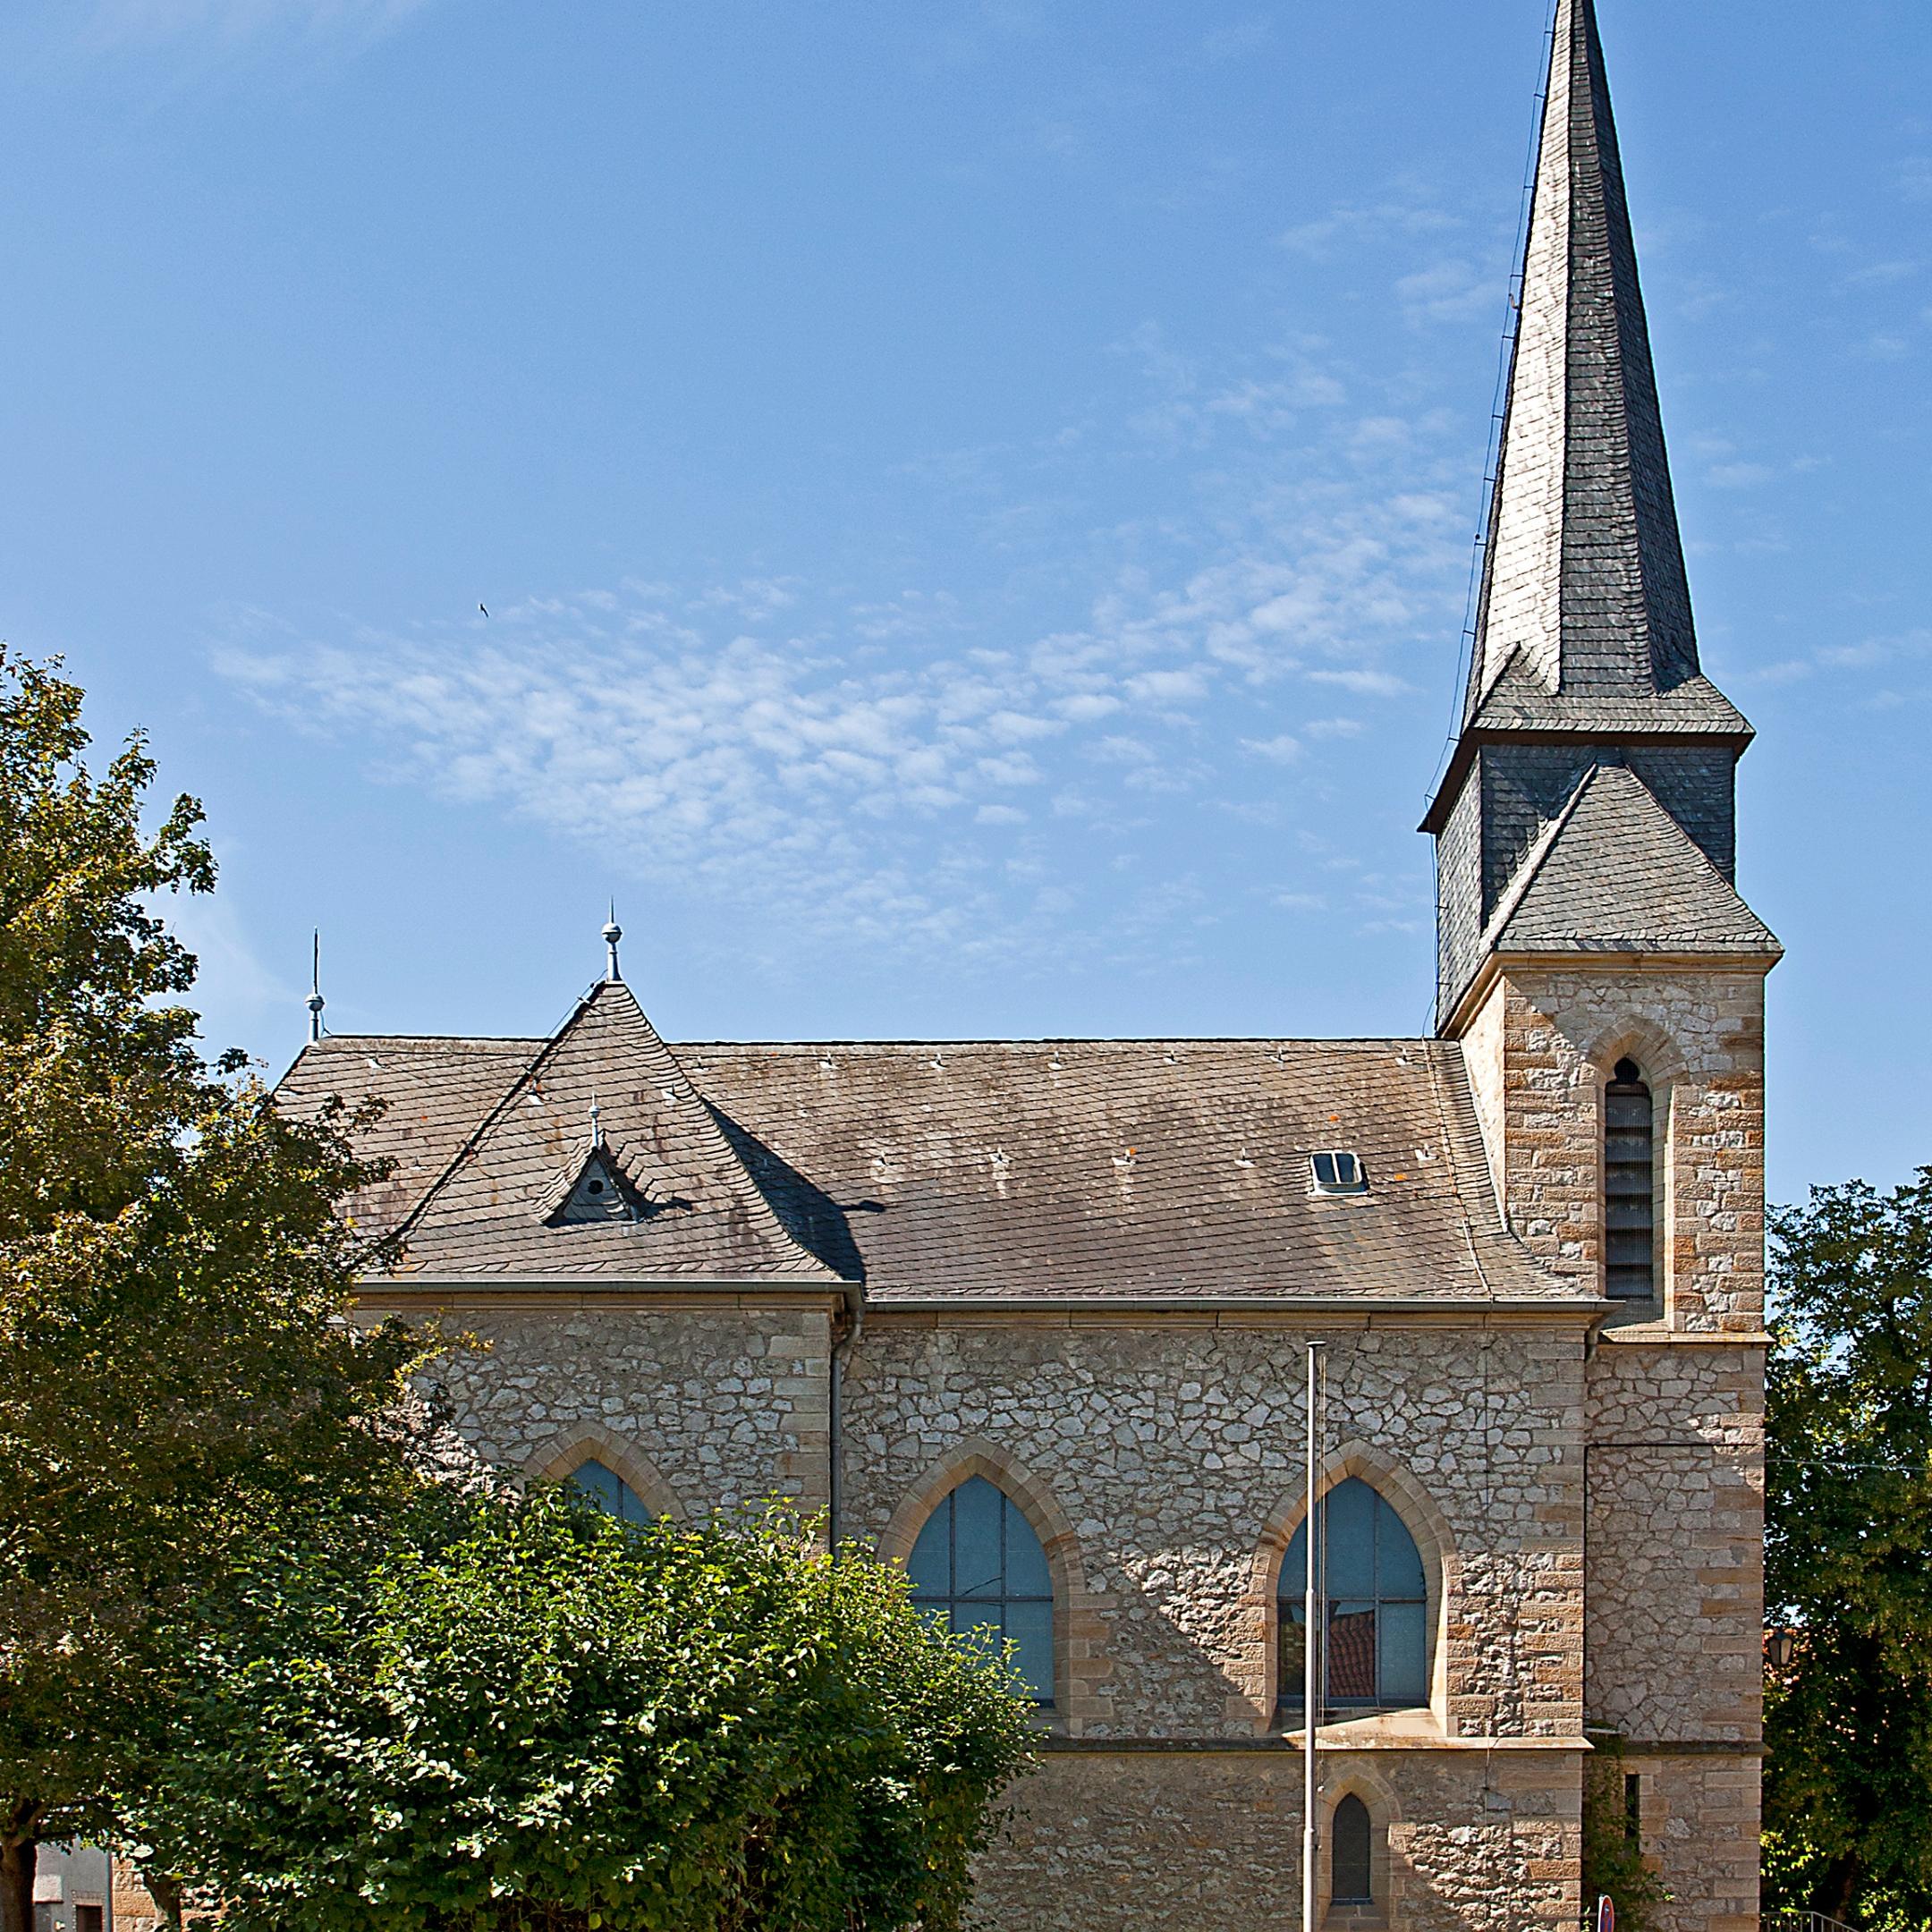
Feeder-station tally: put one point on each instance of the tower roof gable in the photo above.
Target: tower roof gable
(1613, 872)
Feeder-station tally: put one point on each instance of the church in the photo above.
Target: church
(1032, 1316)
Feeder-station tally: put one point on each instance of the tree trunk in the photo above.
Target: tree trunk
(18, 1845)
(166, 1890)
(1840, 1892)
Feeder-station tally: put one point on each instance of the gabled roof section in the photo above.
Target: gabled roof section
(432, 1089)
(494, 1210)
(1584, 622)
(1613, 872)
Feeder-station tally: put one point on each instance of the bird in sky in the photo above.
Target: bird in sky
(484, 608)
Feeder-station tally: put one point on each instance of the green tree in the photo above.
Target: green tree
(177, 1377)
(1848, 1530)
(534, 1719)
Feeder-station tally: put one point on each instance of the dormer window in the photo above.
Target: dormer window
(598, 1193)
(1338, 1171)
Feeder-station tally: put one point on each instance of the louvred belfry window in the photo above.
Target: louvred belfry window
(1630, 1185)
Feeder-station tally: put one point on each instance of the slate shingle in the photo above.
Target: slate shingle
(1615, 872)
(1584, 616)
(1080, 1169)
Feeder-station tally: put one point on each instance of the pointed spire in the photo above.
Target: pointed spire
(1584, 619)
(613, 933)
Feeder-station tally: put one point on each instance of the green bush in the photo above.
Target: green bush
(533, 1717)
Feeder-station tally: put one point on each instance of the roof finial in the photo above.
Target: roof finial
(613, 933)
(315, 1000)
(596, 1126)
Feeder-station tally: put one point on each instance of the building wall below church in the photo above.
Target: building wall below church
(1700, 1831)
(1115, 1840)
(1674, 1584)
(1163, 1460)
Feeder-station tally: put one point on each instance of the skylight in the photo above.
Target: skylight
(1337, 1171)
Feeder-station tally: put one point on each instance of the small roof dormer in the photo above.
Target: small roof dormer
(592, 1189)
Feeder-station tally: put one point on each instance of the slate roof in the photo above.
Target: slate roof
(1695, 708)
(1615, 872)
(1585, 611)
(1082, 1170)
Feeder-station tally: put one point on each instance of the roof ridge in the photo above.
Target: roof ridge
(491, 1115)
(1088, 1039)
(355, 1040)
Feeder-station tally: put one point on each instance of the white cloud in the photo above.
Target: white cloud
(1739, 476)
(1282, 749)
(840, 760)
(1449, 291)
(1354, 226)
(1370, 684)
(234, 989)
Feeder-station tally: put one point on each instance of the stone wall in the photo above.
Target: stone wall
(1169, 1454)
(1538, 1062)
(1699, 1815)
(1675, 1565)
(1115, 1840)
(710, 1405)
(1160, 1458)
(1674, 1595)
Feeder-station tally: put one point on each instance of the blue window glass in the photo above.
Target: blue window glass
(610, 1492)
(978, 1566)
(1376, 1601)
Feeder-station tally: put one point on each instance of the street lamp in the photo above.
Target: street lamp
(1781, 1647)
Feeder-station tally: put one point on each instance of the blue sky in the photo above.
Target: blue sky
(974, 502)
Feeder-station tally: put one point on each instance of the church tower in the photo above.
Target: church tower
(1593, 954)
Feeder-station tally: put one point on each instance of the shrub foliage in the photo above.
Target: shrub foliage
(538, 1720)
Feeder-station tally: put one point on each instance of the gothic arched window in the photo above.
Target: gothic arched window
(1377, 1604)
(610, 1492)
(1350, 1865)
(1630, 1184)
(979, 1565)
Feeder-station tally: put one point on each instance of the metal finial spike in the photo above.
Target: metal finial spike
(613, 933)
(315, 1002)
(596, 1126)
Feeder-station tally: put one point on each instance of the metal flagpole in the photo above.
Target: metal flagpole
(1310, 1645)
